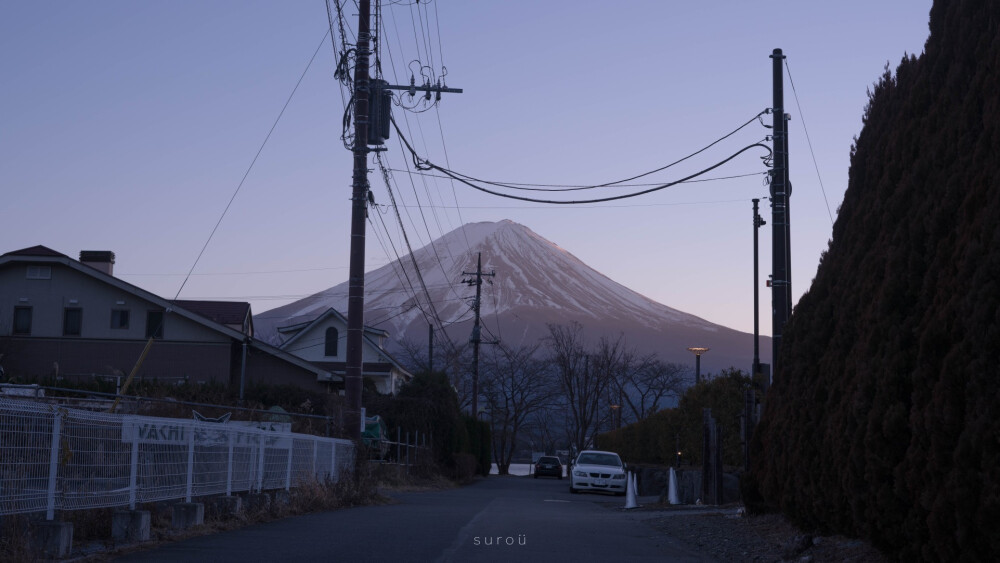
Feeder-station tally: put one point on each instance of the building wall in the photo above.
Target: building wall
(48, 298)
(265, 368)
(311, 345)
(69, 358)
(188, 349)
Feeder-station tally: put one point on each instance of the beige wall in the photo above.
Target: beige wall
(96, 299)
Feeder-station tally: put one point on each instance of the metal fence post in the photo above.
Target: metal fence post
(288, 469)
(133, 472)
(315, 458)
(50, 507)
(260, 461)
(190, 464)
(333, 462)
(229, 463)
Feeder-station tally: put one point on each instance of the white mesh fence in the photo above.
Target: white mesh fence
(55, 458)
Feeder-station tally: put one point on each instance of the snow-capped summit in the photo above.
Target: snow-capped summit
(536, 283)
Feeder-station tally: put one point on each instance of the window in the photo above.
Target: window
(22, 320)
(72, 321)
(119, 318)
(39, 272)
(331, 342)
(154, 324)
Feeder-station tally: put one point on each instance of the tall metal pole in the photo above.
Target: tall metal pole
(359, 199)
(698, 351)
(758, 222)
(780, 282)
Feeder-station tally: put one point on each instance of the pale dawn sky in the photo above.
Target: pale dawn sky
(128, 126)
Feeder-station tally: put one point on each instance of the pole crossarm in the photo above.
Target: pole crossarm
(426, 88)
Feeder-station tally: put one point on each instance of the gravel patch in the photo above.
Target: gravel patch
(723, 533)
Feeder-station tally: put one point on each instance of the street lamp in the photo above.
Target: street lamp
(697, 362)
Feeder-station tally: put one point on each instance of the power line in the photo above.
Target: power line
(809, 142)
(607, 184)
(416, 269)
(254, 161)
(512, 184)
(467, 180)
(627, 206)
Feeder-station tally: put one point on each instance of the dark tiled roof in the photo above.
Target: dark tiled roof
(222, 312)
(36, 251)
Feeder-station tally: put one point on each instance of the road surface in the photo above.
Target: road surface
(496, 519)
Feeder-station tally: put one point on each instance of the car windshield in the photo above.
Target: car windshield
(599, 459)
(548, 460)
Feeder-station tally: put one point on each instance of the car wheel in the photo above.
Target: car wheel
(572, 490)
(536, 475)
(560, 477)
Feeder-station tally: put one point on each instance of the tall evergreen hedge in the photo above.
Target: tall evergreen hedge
(883, 420)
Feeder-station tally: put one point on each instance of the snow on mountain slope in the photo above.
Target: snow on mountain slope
(536, 283)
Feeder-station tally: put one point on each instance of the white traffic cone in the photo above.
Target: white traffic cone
(630, 500)
(672, 496)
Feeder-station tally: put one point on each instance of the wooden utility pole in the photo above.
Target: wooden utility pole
(365, 91)
(359, 200)
(476, 334)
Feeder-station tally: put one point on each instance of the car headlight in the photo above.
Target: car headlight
(580, 473)
(619, 476)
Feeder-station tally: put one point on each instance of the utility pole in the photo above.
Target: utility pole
(476, 335)
(758, 222)
(359, 200)
(781, 189)
(365, 90)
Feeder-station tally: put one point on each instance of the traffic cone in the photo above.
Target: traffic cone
(672, 496)
(630, 500)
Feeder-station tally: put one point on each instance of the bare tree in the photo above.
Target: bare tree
(583, 378)
(642, 382)
(515, 384)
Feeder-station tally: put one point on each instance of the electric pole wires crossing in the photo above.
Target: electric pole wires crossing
(424, 164)
(476, 332)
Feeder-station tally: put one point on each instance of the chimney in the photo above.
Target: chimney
(103, 260)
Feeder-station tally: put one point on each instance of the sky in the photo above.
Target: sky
(129, 126)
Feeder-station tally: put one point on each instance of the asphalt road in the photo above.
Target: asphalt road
(496, 519)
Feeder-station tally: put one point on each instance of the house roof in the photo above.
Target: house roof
(35, 251)
(222, 312)
(44, 255)
(298, 327)
(302, 328)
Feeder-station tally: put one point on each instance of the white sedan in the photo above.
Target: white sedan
(598, 471)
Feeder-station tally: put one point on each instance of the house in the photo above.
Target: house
(322, 342)
(65, 317)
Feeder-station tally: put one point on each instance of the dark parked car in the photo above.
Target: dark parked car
(548, 465)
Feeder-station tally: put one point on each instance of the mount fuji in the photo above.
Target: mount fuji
(536, 283)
